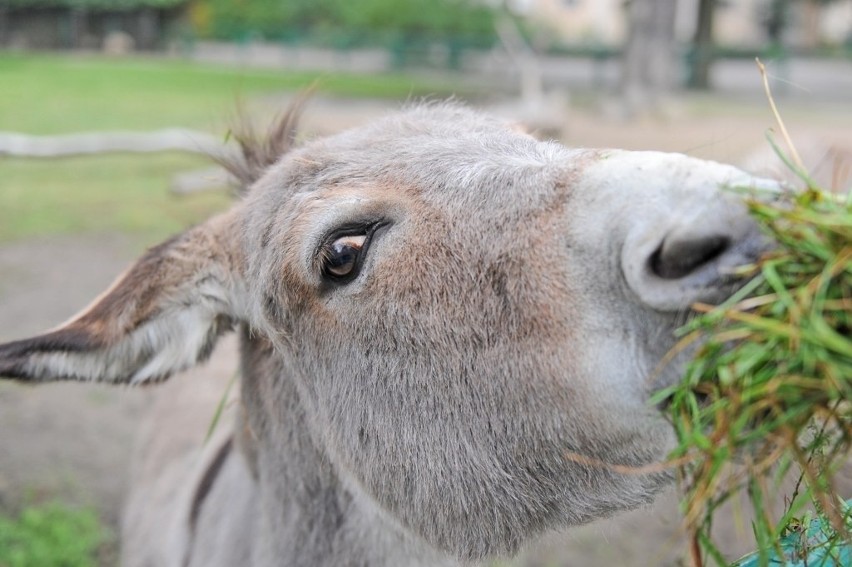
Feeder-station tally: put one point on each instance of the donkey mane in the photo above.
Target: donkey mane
(257, 151)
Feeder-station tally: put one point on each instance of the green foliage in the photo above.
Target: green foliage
(342, 22)
(51, 535)
(111, 5)
(770, 386)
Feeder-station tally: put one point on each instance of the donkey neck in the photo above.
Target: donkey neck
(310, 513)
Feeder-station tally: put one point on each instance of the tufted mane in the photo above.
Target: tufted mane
(256, 151)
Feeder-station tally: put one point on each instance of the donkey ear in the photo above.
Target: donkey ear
(161, 316)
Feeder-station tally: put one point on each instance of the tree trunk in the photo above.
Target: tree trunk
(811, 36)
(526, 61)
(78, 20)
(147, 25)
(4, 25)
(648, 63)
(702, 47)
(778, 21)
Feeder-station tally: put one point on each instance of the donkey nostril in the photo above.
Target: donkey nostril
(677, 258)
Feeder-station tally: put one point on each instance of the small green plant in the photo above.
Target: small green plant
(809, 541)
(51, 535)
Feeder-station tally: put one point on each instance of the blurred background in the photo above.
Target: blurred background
(107, 108)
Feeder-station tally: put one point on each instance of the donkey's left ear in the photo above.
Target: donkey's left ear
(161, 316)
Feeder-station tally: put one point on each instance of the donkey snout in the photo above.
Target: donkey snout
(693, 261)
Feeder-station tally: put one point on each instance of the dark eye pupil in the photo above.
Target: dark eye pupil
(341, 258)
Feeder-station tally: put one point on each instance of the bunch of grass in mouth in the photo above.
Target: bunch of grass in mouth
(767, 395)
(769, 389)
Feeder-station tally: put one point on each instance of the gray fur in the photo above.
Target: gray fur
(485, 377)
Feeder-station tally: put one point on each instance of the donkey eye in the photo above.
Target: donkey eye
(342, 256)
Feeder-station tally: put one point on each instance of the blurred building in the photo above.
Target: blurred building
(119, 25)
(747, 23)
(576, 21)
(737, 23)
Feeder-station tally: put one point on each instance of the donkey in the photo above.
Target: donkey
(448, 331)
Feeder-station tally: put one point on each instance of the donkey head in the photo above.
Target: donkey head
(473, 320)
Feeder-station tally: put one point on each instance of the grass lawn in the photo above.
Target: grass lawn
(106, 193)
(51, 94)
(41, 94)
(52, 535)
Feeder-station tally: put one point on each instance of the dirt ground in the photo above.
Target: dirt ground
(74, 441)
